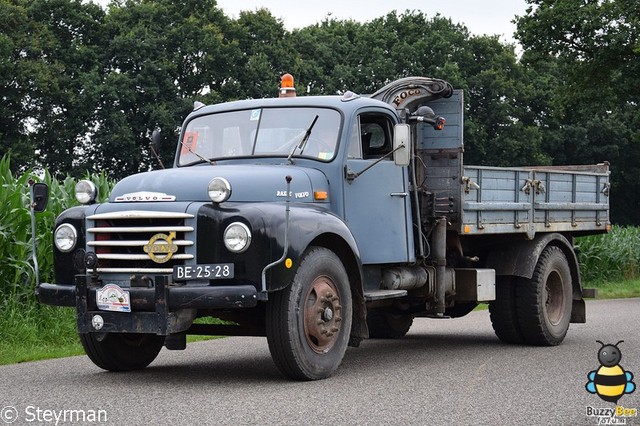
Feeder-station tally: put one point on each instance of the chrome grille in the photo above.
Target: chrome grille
(118, 240)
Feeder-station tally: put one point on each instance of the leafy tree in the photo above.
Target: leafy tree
(593, 50)
(263, 54)
(162, 56)
(13, 82)
(49, 72)
(601, 37)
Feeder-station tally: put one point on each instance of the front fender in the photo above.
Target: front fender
(309, 225)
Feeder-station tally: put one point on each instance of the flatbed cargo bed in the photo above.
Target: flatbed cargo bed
(497, 200)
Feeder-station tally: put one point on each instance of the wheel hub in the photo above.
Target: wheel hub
(322, 315)
(327, 315)
(554, 300)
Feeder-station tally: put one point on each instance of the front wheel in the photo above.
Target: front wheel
(308, 322)
(121, 351)
(544, 302)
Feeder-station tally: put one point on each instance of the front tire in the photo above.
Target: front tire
(544, 302)
(121, 351)
(308, 322)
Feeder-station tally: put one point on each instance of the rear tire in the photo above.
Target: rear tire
(544, 301)
(503, 311)
(121, 351)
(387, 323)
(308, 323)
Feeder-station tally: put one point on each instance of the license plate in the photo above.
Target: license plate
(215, 271)
(112, 297)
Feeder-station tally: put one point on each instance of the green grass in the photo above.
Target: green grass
(616, 290)
(45, 332)
(31, 333)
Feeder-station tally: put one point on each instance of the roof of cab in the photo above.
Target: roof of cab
(337, 102)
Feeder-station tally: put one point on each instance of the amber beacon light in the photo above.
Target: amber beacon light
(287, 88)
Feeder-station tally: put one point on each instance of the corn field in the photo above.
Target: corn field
(610, 257)
(17, 275)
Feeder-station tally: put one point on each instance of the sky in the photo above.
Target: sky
(479, 16)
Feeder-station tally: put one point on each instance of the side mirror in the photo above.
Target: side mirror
(402, 144)
(155, 144)
(39, 197)
(425, 114)
(155, 139)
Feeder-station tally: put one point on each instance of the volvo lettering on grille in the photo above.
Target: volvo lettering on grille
(144, 196)
(159, 245)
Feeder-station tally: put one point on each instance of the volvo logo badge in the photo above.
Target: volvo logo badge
(144, 196)
(160, 247)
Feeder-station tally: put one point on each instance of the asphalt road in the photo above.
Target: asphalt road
(443, 372)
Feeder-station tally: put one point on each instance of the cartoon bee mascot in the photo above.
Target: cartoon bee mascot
(610, 381)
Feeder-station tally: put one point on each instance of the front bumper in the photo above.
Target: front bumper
(162, 309)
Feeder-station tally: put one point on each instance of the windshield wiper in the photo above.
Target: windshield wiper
(304, 140)
(213, 163)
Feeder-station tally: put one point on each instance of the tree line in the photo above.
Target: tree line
(82, 87)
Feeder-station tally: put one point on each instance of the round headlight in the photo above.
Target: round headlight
(237, 237)
(65, 237)
(219, 190)
(86, 192)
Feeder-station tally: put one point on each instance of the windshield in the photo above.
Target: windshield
(261, 132)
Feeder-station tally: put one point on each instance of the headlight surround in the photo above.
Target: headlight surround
(219, 190)
(237, 237)
(86, 192)
(65, 237)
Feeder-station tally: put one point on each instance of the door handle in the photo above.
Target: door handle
(399, 194)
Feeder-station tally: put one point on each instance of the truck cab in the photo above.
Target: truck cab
(319, 221)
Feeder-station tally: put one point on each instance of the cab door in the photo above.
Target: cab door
(377, 202)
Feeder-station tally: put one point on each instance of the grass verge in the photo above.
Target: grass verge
(616, 290)
(46, 332)
(37, 332)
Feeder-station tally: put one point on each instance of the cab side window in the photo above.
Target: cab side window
(375, 135)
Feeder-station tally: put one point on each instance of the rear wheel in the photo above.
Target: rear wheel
(121, 351)
(544, 301)
(503, 311)
(387, 323)
(309, 322)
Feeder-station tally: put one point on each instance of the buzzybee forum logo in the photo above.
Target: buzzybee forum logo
(610, 382)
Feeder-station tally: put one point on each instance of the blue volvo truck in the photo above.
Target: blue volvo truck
(319, 221)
